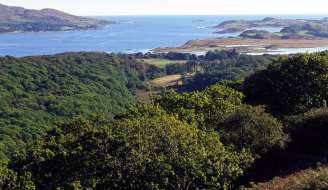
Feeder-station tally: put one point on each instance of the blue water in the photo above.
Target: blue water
(136, 33)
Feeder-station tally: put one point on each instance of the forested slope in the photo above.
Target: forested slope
(37, 92)
(219, 138)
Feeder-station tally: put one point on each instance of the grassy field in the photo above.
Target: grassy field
(143, 96)
(157, 85)
(302, 32)
(166, 81)
(251, 34)
(162, 62)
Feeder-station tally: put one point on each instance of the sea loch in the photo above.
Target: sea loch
(135, 33)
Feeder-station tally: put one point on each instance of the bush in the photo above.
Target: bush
(159, 152)
(250, 127)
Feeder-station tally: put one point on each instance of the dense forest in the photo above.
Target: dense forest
(37, 92)
(226, 65)
(224, 136)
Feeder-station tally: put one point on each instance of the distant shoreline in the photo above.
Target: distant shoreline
(43, 32)
(244, 44)
(122, 37)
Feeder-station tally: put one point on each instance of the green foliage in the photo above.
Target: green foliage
(310, 131)
(218, 108)
(238, 85)
(208, 108)
(9, 179)
(159, 152)
(175, 68)
(225, 65)
(290, 85)
(212, 55)
(37, 92)
(169, 56)
(180, 56)
(252, 128)
(202, 80)
(307, 146)
(258, 34)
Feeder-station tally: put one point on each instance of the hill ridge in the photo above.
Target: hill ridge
(13, 19)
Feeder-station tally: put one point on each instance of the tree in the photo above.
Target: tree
(290, 85)
(191, 66)
(250, 127)
(208, 108)
(149, 152)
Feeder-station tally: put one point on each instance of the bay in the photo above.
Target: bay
(134, 34)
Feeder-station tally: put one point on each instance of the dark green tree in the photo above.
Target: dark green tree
(150, 152)
(250, 127)
(290, 85)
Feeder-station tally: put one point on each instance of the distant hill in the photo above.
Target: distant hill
(18, 19)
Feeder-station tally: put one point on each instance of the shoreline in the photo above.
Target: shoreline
(244, 45)
(44, 32)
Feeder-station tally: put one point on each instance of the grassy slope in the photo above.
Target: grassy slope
(307, 179)
(157, 86)
(161, 62)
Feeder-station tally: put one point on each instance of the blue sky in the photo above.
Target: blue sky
(176, 7)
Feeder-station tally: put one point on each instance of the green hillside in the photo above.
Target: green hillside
(37, 92)
(18, 19)
(271, 127)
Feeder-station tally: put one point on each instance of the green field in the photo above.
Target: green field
(162, 62)
(251, 34)
(304, 32)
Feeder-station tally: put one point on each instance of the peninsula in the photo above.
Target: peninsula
(297, 33)
(19, 20)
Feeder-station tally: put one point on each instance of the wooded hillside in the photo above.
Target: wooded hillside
(38, 92)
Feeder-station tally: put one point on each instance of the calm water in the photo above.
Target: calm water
(136, 33)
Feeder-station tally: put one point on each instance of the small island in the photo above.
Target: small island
(199, 20)
(296, 33)
(19, 20)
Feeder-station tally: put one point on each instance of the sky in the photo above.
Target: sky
(176, 7)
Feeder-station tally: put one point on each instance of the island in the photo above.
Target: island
(19, 20)
(199, 20)
(295, 33)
